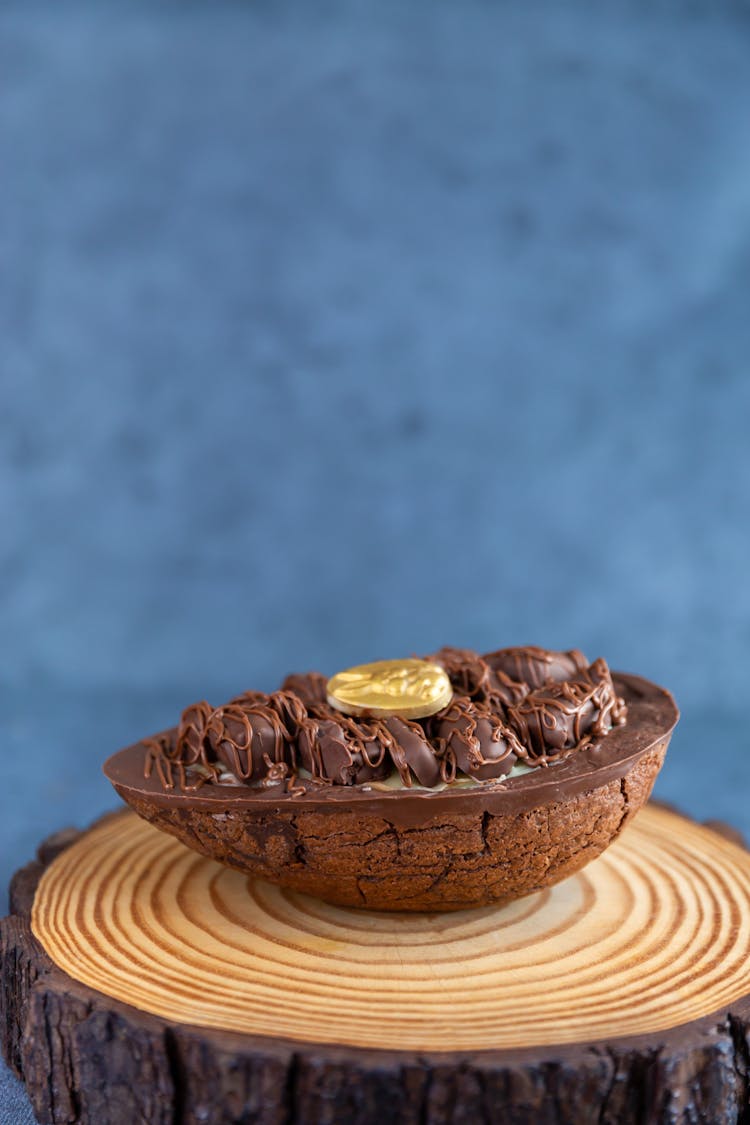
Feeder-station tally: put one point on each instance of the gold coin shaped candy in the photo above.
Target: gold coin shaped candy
(411, 689)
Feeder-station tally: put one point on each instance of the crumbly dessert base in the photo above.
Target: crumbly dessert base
(447, 863)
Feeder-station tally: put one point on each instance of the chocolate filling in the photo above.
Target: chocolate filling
(518, 704)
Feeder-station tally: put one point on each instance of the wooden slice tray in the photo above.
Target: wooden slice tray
(141, 982)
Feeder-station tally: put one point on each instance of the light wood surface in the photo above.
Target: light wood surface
(653, 934)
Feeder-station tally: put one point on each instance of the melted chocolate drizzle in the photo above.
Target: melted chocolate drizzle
(518, 704)
(474, 676)
(309, 686)
(561, 717)
(475, 736)
(535, 666)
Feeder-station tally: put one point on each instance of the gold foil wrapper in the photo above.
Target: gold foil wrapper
(411, 689)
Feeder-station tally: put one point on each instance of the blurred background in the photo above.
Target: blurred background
(338, 332)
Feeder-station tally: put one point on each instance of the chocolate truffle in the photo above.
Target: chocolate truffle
(334, 749)
(558, 718)
(476, 740)
(472, 675)
(535, 666)
(310, 687)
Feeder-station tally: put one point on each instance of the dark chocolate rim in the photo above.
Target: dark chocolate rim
(652, 715)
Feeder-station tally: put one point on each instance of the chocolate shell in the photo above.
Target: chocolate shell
(442, 848)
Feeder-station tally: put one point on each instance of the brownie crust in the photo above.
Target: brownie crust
(449, 863)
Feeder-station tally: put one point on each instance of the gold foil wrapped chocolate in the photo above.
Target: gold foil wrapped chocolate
(409, 689)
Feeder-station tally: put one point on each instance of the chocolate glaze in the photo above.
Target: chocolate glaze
(652, 715)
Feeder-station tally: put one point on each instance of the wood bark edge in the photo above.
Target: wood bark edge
(88, 1059)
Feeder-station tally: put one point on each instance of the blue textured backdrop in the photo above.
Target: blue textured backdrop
(342, 331)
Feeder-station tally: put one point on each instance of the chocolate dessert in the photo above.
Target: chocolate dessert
(522, 765)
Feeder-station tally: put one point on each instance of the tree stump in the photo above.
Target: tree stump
(141, 982)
